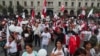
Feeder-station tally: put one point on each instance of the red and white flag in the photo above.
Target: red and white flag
(62, 8)
(44, 9)
(32, 16)
(19, 21)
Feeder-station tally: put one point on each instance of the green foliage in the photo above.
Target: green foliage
(19, 9)
(10, 10)
(26, 11)
(1, 7)
(4, 11)
(95, 9)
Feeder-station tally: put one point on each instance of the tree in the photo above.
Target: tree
(4, 11)
(95, 9)
(79, 11)
(19, 9)
(1, 7)
(26, 11)
(10, 10)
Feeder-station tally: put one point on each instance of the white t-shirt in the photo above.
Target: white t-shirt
(93, 52)
(0, 33)
(19, 37)
(67, 39)
(45, 38)
(13, 48)
(61, 51)
(37, 30)
(98, 37)
(32, 54)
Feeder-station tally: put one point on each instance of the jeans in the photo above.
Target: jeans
(44, 47)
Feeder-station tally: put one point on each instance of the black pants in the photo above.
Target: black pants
(5, 51)
(37, 40)
(18, 53)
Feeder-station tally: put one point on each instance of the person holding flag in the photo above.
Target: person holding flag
(44, 9)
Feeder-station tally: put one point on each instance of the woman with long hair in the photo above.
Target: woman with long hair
(59, 50)
(29, 51)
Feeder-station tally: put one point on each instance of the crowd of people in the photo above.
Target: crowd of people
(71, 36)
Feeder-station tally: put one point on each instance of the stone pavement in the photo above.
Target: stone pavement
(50, 47)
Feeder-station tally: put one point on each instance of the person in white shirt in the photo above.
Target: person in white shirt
(95, 51)
(29, 51)
(46, 36)
(37, 33)
(18, 40)
(59, 50)
(11, 47)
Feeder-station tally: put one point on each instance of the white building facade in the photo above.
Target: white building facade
(53, 5)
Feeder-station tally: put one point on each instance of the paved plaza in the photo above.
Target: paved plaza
(50, 47)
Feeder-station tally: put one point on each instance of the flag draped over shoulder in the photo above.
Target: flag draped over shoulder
(72, 44)
(44, 9)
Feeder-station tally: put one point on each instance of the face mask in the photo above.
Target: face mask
(26, 35)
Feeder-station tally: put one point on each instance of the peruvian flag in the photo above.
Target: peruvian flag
(32, 16)
(62, 8)
(19, 21)
(44, 9)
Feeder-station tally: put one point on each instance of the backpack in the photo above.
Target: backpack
(93, 40)
(65, 54)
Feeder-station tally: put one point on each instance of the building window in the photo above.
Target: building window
(48, 3)
(79, 4)
(92, 0)
(38, 3)
(10, 2)
(59, 3)
(3, 3)
(73, 0)
(17, 2)
(52, 3)
(92, 4)
(31, 3)
(86, 0)
(98, 4)
(86, 4)
(25, 3)
(65, 3)
(72, 4)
